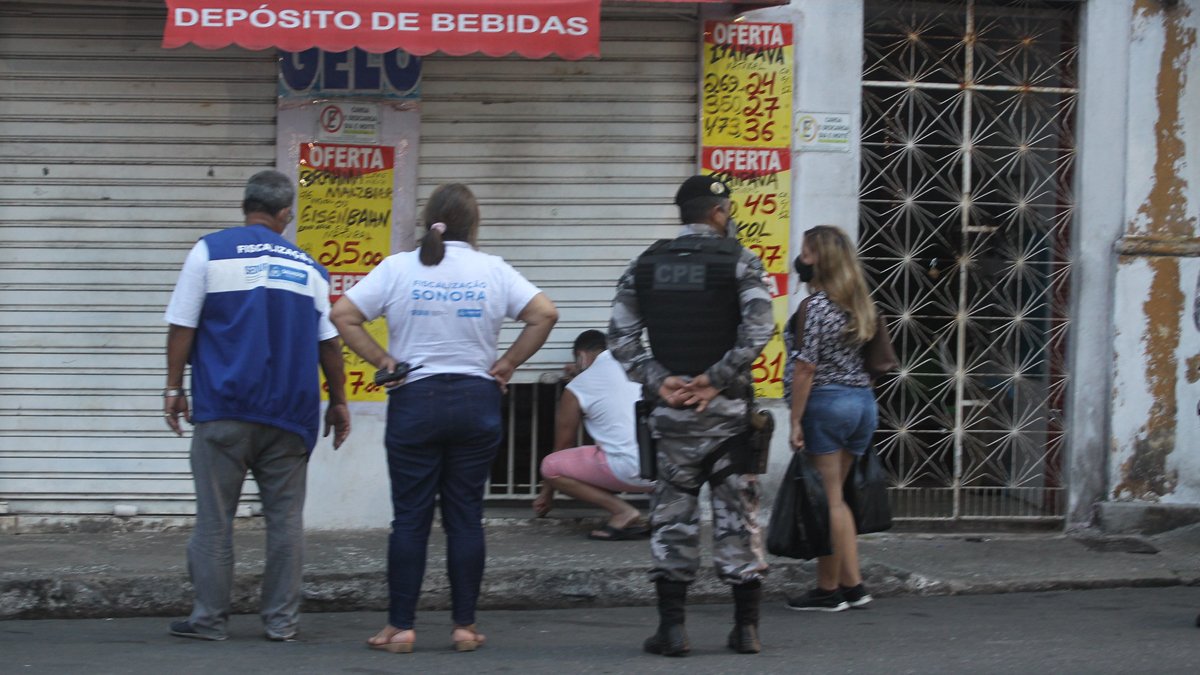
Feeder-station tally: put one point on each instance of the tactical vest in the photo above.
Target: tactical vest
(687, 292)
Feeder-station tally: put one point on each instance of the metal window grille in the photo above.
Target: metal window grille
(528, 411)
(968, 153)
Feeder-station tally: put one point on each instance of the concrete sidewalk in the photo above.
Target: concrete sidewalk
(548, 563)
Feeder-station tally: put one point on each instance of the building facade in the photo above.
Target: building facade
(1018, 175)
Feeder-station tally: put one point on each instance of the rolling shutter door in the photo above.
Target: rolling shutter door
(575, 163)
(115, 156)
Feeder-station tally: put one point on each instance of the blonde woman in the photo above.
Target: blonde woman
(833, 404)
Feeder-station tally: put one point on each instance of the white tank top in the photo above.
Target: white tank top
(606, 397)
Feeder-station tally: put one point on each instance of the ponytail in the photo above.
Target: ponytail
(433, 248)
(451, 214)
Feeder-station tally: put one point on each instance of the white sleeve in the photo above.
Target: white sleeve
(325, 328)
(371, 294)
(580, 392)
(188, 298)
(520, 291)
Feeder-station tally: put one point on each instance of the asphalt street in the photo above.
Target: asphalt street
(1103, 631)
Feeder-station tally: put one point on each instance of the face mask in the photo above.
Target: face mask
(731, 228)
(805, 271)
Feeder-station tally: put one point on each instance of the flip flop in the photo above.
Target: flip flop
(618, 533)
(638, 529)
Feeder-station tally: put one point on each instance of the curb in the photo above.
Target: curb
(503, 588)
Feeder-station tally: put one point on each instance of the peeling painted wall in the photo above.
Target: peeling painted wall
(1156, 384)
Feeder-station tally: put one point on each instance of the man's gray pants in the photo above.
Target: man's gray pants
(738, 552)
(222, 452)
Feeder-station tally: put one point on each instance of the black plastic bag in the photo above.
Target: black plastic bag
(866, 493)
(799, 526)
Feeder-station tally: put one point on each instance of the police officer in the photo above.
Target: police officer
(703, 300)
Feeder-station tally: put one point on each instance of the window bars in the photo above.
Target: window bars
(966, 202)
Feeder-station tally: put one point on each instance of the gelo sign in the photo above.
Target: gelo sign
(394, 74)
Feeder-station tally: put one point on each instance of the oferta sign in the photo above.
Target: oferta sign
(746, 138)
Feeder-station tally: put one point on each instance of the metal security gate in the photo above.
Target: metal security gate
(115, 155)
(968, 154)
(119, 154)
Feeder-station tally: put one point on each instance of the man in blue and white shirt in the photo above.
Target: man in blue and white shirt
(250, 313)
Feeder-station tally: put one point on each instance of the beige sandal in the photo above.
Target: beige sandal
(390, 645)
(470, 644)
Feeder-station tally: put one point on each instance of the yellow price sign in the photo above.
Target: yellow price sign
(345, 222)
(760, 181)
(747, 84)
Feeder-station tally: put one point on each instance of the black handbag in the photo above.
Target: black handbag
(866, 493)
(799, 526)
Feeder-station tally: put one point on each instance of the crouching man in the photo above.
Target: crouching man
(602, 398)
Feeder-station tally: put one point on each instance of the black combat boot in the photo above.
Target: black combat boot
(747, 597)
(671, 638)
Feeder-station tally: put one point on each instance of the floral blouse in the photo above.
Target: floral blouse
(824, 345)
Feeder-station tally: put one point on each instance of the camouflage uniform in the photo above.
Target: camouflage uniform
(687, 438)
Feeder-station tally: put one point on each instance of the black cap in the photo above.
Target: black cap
(701, 186)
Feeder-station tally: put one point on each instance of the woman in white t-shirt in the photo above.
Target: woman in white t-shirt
(444, 305)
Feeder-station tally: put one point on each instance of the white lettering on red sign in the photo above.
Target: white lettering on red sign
(349, 20)
(340, 283)
(748, 34)
(344, 157)
(399, 21)
(746, 159)
(508, 23)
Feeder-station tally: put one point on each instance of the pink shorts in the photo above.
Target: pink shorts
(586, 464)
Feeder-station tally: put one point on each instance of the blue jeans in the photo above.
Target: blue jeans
(442, 435)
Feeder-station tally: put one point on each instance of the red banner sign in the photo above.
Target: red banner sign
(532, 28)
(745, 162)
